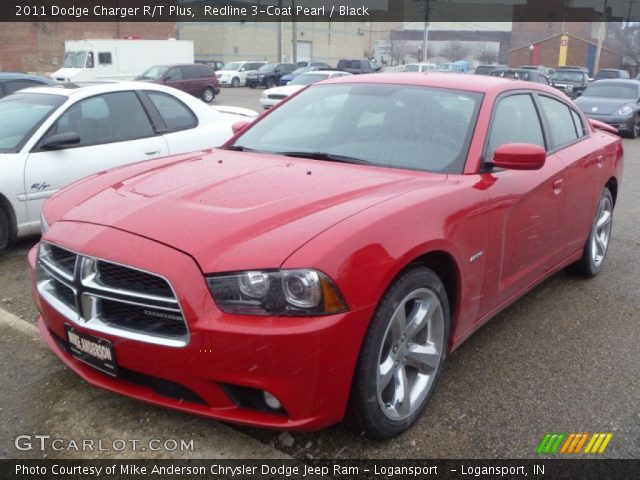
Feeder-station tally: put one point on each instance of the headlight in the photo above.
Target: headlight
(260, 77)
(44, 225)
(625, 111)
(569, 88)
(298, 293)
(264, 96)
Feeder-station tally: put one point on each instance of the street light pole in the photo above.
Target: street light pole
(425, 40)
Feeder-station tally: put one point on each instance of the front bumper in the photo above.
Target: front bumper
(306, 363)
(623, 124)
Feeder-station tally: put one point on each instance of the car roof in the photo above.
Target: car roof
(89, 89)
(618, 81)
(453, 81)
(22, 76)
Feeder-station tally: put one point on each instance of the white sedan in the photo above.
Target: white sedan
(52, 136)
(275, 95)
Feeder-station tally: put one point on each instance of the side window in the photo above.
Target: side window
(515, 121)
(174, 74)
(579, 124)
(108, 118)
(204, 72)
(15, 85)
(89, 63)
(104, 58)
(560, 121)
(175, 114)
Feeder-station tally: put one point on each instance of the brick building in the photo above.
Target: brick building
(578, 51)
(38, 47)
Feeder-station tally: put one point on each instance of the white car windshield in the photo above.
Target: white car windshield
(235, 66)
(75, 59)
(21, 114)
(398, 126)
(307, 78)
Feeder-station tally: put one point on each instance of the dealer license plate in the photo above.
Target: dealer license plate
(93, 351)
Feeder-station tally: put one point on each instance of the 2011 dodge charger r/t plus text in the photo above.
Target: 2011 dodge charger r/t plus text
(325, 261)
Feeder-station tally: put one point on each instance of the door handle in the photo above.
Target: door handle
(557, 186)
(152, 151)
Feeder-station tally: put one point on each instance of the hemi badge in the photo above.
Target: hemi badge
(476, 256)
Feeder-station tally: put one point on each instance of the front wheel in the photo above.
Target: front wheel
(597, 244)
(402, 355)
(4, 231)
(635, 127)
(208, 95)
(270, 83)
(235, 83)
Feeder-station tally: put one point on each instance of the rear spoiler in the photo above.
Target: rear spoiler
(598, 125)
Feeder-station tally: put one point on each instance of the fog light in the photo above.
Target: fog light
(271, 401)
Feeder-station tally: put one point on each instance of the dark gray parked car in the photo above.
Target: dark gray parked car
(615, 102)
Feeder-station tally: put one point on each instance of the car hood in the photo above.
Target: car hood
(236, 210)
(603, 106)
(284, 90)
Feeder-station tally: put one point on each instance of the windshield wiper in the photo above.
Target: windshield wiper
(330, 157)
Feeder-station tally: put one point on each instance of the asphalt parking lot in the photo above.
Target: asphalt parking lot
(562, 359)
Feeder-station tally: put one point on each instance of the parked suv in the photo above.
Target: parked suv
(487, 69)
(608, 73)
(198, 80)
(571, 82)
(235, 73)
(358, 66)
(269, 75)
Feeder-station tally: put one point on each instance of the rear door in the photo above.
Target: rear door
(527, 206)
(582, 158)
(114, 130)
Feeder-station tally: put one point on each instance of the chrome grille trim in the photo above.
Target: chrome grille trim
(89, 291)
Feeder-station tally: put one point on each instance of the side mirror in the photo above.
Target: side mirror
(166, 78)
(519, 156)
(598, 125)
(243, 69)
(60, 141)
(239, 126)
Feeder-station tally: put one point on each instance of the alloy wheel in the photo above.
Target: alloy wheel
(410, 354)
(601, 231)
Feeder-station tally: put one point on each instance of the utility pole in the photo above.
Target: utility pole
(280, 32)
(294, 33)
(602, 33)
(425, 42)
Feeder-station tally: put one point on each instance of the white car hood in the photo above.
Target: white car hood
(285, 90)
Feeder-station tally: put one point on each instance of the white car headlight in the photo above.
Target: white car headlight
(625, 111)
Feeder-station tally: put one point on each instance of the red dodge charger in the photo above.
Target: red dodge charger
(328, 258)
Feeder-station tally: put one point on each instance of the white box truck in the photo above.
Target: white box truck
(96, 60)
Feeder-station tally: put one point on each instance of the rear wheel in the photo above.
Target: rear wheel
(597, 245)
(4, 231)
(235, 82)
(402, 355)
(208, 95)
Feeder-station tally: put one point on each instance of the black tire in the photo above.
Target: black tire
(252, 85)
(235, 82)
(4, 231)
(593, 257)
(635, 127)
(368, 407)
(270, 83)
(208, 95)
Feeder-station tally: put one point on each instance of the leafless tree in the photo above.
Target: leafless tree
(454, 51)
(401, 49)
(626, 40)
(487, 56)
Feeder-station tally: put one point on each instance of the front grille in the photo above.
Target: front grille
(153, 321)
(110, 298)
(276, 96)
(124, 278)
